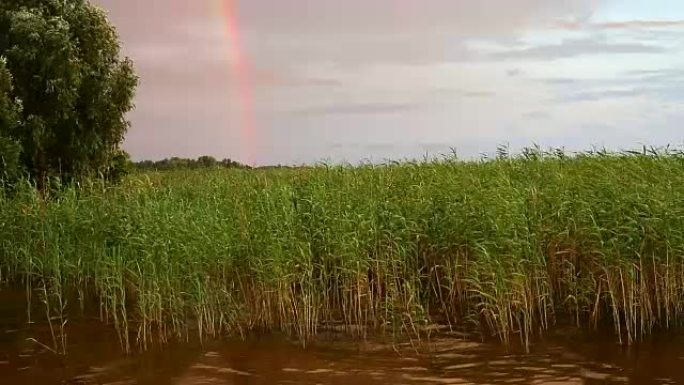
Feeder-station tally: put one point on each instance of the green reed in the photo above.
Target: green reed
(510, 246)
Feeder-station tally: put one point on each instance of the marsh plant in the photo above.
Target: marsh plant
(509, 246)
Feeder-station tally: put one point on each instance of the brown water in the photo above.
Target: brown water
(94, 357)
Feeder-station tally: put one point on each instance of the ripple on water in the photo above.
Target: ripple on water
(277, 361)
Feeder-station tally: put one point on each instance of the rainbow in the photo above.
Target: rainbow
(241, 73)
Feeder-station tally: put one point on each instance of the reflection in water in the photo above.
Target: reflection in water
(95, 358)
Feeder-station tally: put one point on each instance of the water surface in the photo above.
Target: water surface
(95, 357)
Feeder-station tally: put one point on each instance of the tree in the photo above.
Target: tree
(10, 149)
(120, 166)
(72, 84)
(176, 163)
(207, 161)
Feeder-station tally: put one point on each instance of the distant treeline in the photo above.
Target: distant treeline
(177, 163)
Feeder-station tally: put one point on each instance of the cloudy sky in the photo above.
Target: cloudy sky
(292, 81)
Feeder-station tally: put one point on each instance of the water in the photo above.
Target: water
(95, 357)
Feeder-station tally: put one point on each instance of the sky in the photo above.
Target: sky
(306, 81)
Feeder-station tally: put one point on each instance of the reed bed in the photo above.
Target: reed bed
(509, 246)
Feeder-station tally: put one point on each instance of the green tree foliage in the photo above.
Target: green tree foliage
(120, 166)
(207, 161)
(176, 163)
(73, 86)
(10, 149)
(10, 164)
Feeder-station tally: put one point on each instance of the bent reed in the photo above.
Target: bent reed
(509, 245)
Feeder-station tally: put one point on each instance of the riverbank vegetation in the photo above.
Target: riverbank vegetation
(508, 246)
(176, 163)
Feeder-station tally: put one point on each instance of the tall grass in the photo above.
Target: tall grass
(509, 245)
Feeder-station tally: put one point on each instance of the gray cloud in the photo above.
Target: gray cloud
(514, 72)
(658, 84)
(576, 25)
(460, 92)
(350, 32)
(478, 94)
(360, 17)
(537, 115)
(358, 109)
(640, 78)
(575, 47)
(558, 81)
(667, 75)
(588, 96)
(366, 32)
